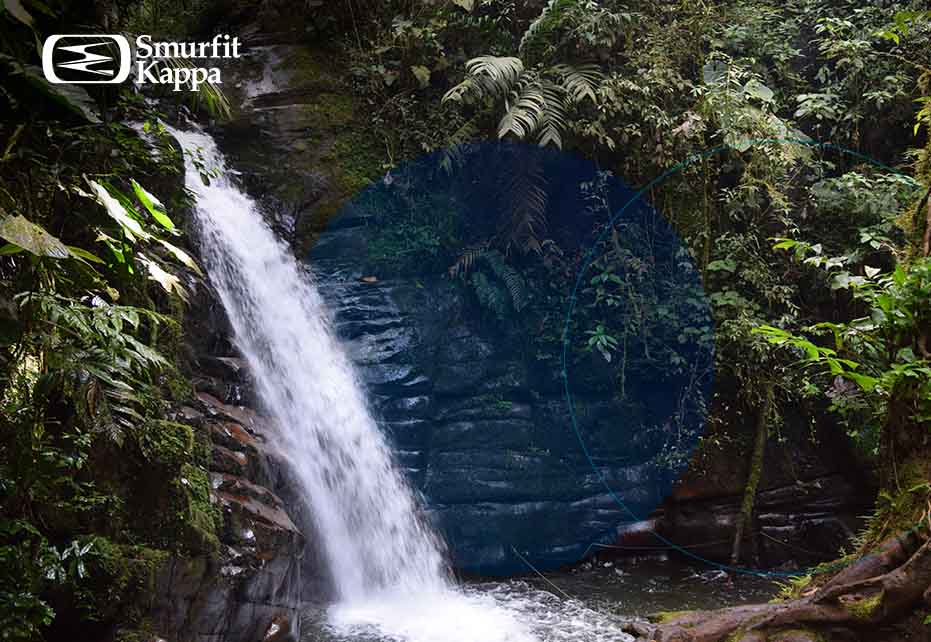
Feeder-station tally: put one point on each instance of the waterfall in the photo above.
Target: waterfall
(388, 567)
(365, 512)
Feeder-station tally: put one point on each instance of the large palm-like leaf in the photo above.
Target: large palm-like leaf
(487, 77)
(524, 194)
(536, 101)
(554, 118)
(580, 81)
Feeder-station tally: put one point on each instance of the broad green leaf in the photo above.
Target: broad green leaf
(468, 5)
(182, 256)
(114, 245)
(422, 74)
(16, 9)
(117, 212)
(899, 275)
(758, 90)
(154, 206)
(74, 97)
(81, 253)
(169, 282)
(31, 237)
(713, 72)
(10, 248)
(785, 244)
(866, 382)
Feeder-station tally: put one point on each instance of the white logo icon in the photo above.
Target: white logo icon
(97, 64)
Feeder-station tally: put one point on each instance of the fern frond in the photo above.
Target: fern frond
(554, 116)
(538, 33)
(463, 265)
(511, 278)
(487, 77)
(456, 143)
(524, 194)
(539, 110)
(504, 69)
(523, 117)
(580, 82)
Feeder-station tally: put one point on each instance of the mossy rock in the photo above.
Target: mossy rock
(199, 518)
(120, 582)
(167, 443)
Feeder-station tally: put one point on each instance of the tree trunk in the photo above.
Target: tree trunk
(756, 471)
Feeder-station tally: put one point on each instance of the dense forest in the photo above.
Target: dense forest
(787, 145)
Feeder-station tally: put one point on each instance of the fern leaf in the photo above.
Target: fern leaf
(456, 143)
(538, 33)
(487, 77)
(525, 196)
(513, 281)
(523, 117)
(554, 118)
(579, 82)
(506, 70)
(467, 260)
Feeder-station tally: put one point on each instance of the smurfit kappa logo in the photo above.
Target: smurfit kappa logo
(86, 59)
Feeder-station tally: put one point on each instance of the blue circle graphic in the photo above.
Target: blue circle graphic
(464, 258)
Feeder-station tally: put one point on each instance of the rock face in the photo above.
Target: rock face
(808, 506)
(482, 435)
(255, 578)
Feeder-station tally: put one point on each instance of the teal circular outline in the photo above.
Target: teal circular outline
(589, 259)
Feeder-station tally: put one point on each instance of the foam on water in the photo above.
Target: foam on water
(495, 612)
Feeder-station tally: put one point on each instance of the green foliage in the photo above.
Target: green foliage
(92, 278)
(880, 353)
(669, 83)
(413, 233)
(498, 286)
(793, 587)
(539, 99)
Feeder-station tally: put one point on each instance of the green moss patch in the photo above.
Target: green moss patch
(199, 518)
(120, 582)
(864, 609)
(664, 617)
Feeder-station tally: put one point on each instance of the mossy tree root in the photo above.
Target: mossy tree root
(876, 591)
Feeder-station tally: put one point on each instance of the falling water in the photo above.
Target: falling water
(387, 565)
(366, 514)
